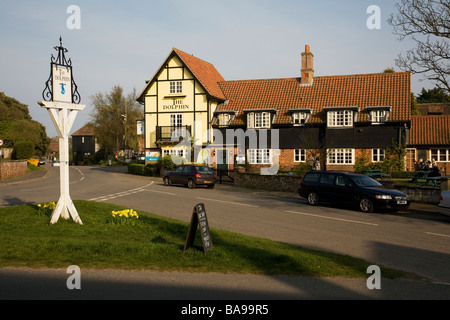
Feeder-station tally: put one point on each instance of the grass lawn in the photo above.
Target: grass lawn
(154, 243)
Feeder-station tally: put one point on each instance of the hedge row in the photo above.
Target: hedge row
(150, 170)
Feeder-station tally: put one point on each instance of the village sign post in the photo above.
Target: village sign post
(62, 100)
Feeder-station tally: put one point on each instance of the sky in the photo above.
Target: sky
(125, 42)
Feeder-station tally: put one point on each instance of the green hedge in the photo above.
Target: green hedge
(151, 170)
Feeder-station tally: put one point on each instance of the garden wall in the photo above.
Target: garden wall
(287, 183)
(12, 169)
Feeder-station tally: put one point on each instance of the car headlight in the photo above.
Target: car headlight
(383, 197)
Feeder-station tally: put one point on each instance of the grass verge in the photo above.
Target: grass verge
(154, 243)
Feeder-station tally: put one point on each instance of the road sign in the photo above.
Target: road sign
(1, 142)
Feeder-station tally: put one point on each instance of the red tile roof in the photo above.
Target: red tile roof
(380, 89)
(430, 130)
(204, 71)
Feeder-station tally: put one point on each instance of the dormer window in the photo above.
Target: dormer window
(224, 119)
(258, 120)
(300, 116)
(341, 117)
(380, 114)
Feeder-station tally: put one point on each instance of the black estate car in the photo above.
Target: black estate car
(349, 188)
(191, 176)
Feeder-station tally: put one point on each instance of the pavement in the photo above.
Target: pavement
(192, 290)
(415, 207)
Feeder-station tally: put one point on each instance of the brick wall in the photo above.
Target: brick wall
(12, 169)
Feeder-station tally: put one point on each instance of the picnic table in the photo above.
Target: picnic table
(426, 180)
(374, 174)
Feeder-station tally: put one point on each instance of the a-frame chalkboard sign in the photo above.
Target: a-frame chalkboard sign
(199, 219)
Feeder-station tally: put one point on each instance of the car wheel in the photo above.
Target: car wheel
(313, 198)
(167, 181)
(191, 184)
(366, 205)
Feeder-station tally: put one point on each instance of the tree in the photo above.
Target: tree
(114, 118)
(426, 22)
(434, 95)
(16, 125)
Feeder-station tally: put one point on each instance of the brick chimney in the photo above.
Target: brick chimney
(307, 66)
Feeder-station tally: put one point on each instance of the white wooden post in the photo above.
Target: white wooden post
(63, 115)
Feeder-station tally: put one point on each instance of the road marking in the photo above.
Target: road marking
(331, 218)
(120, 194)
(169, 193)
(438, 234)
(230, 202)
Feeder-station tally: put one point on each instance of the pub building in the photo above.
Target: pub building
(323, 121)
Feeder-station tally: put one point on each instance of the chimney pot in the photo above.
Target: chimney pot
(307, 68)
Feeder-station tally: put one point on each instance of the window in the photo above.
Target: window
(175, 152)
(224, 119)
(176, 122)
(378, 116)
(340, 156)
(300, 155)
(176, 87)
(341, 118)
(440, 155)
(378, 155)
(257, 120)
(82, 139)
(260, 156)
(327, 178)
(300, 118)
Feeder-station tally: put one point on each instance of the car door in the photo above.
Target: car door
(176, 176)
(327, 185)
(342, 190)
(186, 174)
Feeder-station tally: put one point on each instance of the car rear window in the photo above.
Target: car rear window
(312, 177)
(202, 169)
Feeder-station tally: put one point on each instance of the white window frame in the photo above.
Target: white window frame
(378, 116)
(436, 154)
(299, 118)
(300, 155)
(258, 120)
(259, 156)
(340, 118)
(341, 156)
(224, 119)
(174, 152)
(176, 87)
(378, 154)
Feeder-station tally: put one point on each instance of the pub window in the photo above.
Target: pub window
(341, 118)
(378, 116)
(378, 155)
(258, 120)
(299, 118)
(340, 156)
(440, 155)
(176, 87)
(175, 152)
(259, 156)
(224, 119)
(300, 155)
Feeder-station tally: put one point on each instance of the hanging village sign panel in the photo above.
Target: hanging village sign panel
(62, 100)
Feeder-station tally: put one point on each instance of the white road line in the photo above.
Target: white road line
(438, 234)
(230, 202)
(331, 218)
(120, 194)
(169, 193)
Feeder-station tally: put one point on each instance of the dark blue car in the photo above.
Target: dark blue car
(351, 189)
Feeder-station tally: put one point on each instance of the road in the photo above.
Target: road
(414, 242)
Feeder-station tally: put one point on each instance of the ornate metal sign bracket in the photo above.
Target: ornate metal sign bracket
(61, 99)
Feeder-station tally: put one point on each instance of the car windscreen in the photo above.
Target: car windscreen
(365, 181)
(202, 169)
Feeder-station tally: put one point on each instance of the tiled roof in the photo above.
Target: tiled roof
(87, 130)
(430, 130)
(204, 71)
(380, 89)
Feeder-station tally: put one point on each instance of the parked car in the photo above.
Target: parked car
(444, 203)
(141, 157)
(353, 189)
(41, 161)
(191, 176)
(56, 163)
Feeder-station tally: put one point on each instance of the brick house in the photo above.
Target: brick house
(328, 121)
(429, 139)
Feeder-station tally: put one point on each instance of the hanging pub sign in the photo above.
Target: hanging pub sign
(199, 219)
(61, 87)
